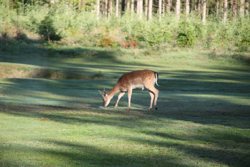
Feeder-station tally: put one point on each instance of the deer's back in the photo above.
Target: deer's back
(137, 78)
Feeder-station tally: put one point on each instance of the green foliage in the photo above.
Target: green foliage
(62, 22)
(242, 31)
(47, 30)
(188, 33)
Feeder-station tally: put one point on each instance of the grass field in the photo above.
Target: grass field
(51, 116)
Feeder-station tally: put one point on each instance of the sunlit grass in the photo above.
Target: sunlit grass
(202, 117)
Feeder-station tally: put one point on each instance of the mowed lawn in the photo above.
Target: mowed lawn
(203, 116)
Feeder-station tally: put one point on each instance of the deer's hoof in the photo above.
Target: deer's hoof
(156, 108)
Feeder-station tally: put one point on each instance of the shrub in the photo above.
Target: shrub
(188, 33)
(47, 29)
(106, 42)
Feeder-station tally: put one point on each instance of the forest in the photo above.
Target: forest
(206, 24)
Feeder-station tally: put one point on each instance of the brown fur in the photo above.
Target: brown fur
(129, 81)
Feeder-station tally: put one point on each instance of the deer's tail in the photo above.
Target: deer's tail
(156, 78)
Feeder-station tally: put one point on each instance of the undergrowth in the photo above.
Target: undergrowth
(61, 23)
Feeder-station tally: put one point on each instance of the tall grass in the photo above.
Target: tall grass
(76, 27)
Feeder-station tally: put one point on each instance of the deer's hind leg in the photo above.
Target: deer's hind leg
(151, 100)
(155, 93)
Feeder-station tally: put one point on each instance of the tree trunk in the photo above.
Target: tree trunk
(132, 6)
(192, 5)
(187, 7)
(128, 5)
(146, 8)
(163, 7)
(178, 9)
(217, 7)
(169, 5)
(139, 8)
(110, 7)
(123, 6)
(225, 11)
(80, 4)
(116, 8)
(242, 8)
(106, 7)
(204, 11)
(98, 9)
(150, 6)
(159, 8)
(199, 6)
(247, 8)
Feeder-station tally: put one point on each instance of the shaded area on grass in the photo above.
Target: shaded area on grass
(38, 59)
(192, 145)
(228, 151)
(54, 61)
(220, 98)
(76, 154)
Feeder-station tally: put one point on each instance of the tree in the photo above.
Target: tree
(178, 9)
(242, 8)
(98, 9)
(225, 6)
(187, 7)
(247, 8)
(80, 4)
(110, 7)
(117, 8)
(159, 8)
(139, 7)
(234, 8)
(128, 5)
(199, 6)
(146, 8)
(132, 6)
(217, 7)
(169, 5)
(204, 11)
(150, 6)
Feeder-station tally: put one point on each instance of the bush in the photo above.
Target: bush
(243, 40)
(47, 30)
(188, 33)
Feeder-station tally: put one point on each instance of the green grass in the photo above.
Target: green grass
(203, 116)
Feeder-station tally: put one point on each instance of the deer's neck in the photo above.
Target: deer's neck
(114, 90)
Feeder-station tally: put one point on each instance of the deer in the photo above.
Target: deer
(127, 82)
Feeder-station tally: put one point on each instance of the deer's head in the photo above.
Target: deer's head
(105, 98)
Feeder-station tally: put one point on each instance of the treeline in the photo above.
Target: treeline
(223, 9)
(130, 23)
(148, 8)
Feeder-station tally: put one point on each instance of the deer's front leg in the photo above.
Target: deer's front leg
(129, 98)
(119, 97)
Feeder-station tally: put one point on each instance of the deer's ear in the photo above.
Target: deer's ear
(101, 92)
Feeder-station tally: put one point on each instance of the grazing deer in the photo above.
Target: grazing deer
(129, 81)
